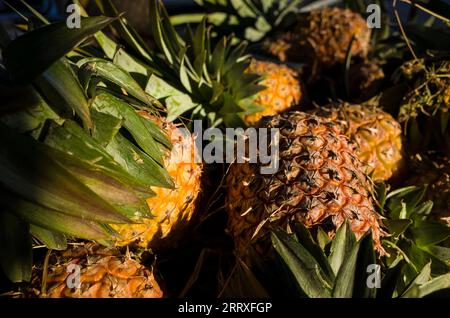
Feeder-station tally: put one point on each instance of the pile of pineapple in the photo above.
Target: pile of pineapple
(102, 192)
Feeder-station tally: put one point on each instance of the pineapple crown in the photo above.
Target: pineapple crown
(208, 80)
(347, 268)
(215, 76)
(76, 155)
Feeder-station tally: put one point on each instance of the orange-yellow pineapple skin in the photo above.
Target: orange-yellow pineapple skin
(323, 36)
(375, 133)
(283, 89)
(171, 209)
(320, 182)
(104, 273)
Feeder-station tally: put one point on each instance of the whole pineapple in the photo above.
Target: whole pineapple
(375, 133)
(320, 182)
(104, 273)
(283, 89)
(171, 208)
(323, 36)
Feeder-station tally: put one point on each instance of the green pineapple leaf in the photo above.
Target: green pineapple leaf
(397, 227)
(443, 253)
(428, 233)
(106, 126)
(61, 88)
(28, 169)
(144, 131)
(306, 239)
(341, 247)
(423, 277)
(75, 142)
(345, 278)
(53, 240)
(306, 270)
(367, 269)
(138, 163)
(96, 67)
(53, 220)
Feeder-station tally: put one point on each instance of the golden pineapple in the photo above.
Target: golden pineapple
(282, 92)
(171, 208)
(103, 273)
(320, 182)
(375, 133)
(323, 36)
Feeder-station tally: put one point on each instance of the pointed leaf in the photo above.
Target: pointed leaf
(139, 164)
(53, 240)
(429, 233)
(27, 169)
(52, 220)
(345, 277)
(105, 127)
(75, 142)
(109, 71)
(60, 87)
(145, 131)
(423, 277)
(341, 247)
(367, 269)
(305, 239)
(436, 284)
(397, 227)
(302, 264)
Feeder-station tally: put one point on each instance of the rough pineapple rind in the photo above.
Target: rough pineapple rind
(283, 89)
(323, 36)
(375, 133)
(320, 179)
(171, 209)
(104, 273)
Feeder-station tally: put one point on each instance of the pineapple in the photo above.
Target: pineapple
(104, 273)
(104, 165)
(375, 133)
(283, 90)
(434, 172)
(171, 208)
(320, 182)
(323, 37)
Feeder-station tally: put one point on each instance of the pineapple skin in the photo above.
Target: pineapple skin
(320, 181)
(283, 89)
(377, 137)
(104, 273)
(323, 36)
(172, 209)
